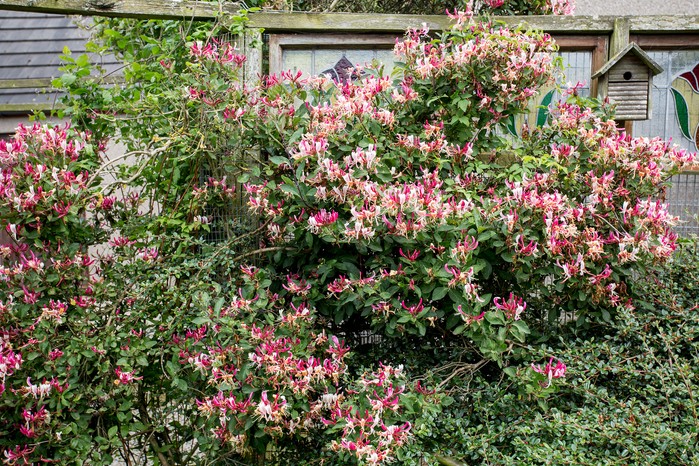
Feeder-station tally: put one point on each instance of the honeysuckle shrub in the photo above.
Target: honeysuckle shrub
(49, 329)
(397, 259)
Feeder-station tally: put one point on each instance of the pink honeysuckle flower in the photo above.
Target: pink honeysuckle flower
(321, 219)
(30, 297)
(414, 309)
(55, 354)
(410, 255)
(125, 378)
(271, 410)
(148, 254)
(338, 348)
(513, 307)
(297, 287)
(18, 455)
(469, 318)
(551, 371)
(526, 249)
(339, 285)
(120, 241)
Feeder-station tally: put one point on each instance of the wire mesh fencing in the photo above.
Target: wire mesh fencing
(683, 201)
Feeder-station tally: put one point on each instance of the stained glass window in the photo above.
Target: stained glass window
(676, 116)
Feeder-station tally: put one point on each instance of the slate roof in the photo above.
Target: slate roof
(30, 46)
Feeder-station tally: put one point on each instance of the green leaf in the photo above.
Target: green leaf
(439, 293)
(682, 113)
(278, 160)
(495, 318)
(510, 125)
(82, 61)
(543, 114)
(68, 78)
(522, 326)
(289, 189)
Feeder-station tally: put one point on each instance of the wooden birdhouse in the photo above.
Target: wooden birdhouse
(627, 79)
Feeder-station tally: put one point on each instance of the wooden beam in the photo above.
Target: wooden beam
(25, 83)
(29, 108)
(343, 22)
(146, 9)
(340, 22)
(41, 83)
(360, 22)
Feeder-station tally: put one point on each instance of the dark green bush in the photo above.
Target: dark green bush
(630, 395)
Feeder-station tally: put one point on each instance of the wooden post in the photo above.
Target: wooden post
(252, 48)
(620, 36)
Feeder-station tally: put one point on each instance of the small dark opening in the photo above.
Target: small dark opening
(628, 75)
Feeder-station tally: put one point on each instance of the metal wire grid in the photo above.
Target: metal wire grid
(683, 201)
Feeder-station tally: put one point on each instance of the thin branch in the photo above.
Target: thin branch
(132, 153)
(156, 448)
(332, 6)
(263, 251)
(464, 368)
(447, 461)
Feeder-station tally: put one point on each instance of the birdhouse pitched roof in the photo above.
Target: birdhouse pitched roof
(632, 48)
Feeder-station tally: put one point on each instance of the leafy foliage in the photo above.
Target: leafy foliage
(629, 396)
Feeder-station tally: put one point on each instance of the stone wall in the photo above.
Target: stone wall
(637, 7)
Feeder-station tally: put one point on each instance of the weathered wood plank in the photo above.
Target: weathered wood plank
(620, 36)
(346, 22)
(27, 83)
(39, 83)
(152, 9)
(340, 22)
(22, 108)
(668, 41)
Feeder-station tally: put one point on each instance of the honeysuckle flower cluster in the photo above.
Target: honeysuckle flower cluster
(551, 371)
(46, 274)
(369, 430)
(606, 216)
(522, 7)
(398, 184)
(292, 366)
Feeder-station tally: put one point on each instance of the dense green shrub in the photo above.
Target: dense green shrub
(630, 394)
